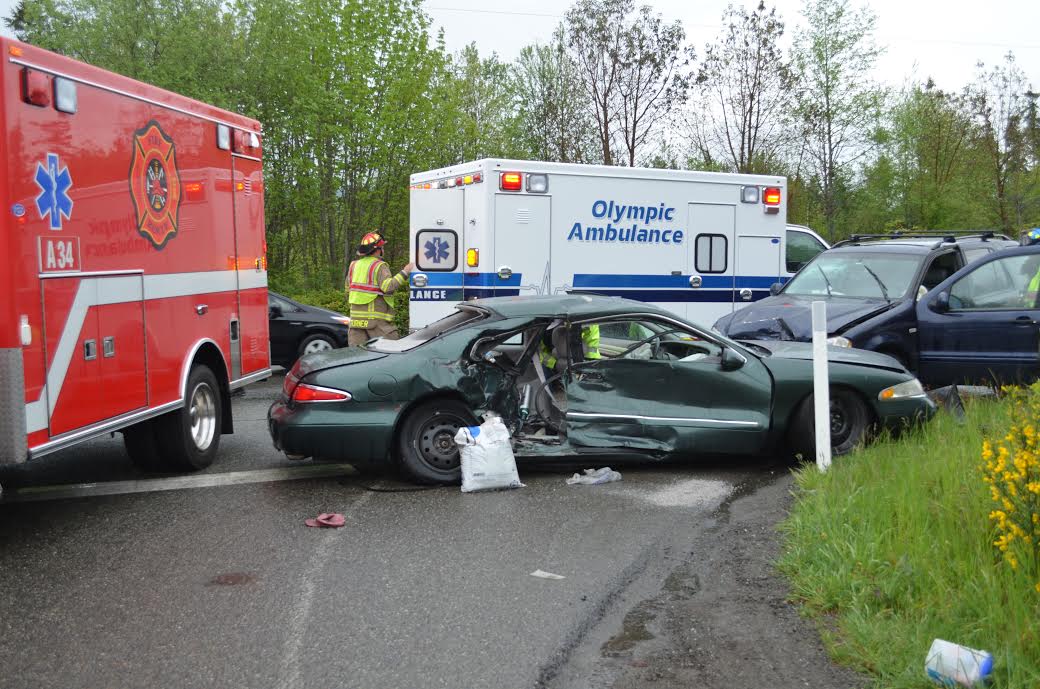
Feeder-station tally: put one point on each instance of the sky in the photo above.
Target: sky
(943, 40)
(923, 38)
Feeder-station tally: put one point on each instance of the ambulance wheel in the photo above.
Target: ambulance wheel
(142, 447)
(316, 343)
(189, 437)
(426, 447)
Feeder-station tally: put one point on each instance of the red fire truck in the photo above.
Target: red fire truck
(133, 282)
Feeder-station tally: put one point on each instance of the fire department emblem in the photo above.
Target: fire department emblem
(155, 184)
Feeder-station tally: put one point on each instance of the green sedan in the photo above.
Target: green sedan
(578, 375)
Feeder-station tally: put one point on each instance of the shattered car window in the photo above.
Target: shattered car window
(462, 316)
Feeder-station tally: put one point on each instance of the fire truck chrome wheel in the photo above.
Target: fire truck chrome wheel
(203, 413)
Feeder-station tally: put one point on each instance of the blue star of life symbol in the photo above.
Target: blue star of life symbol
(436, 250)
(54, 185)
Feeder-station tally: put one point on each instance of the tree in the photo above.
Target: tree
(1000, 105)
(653, 80)
(551, 123)
(745, 84)
(596, 35)
(836, 102)
(483, 103)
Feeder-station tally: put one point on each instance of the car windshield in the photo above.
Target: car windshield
(857, 275)
(423, 335)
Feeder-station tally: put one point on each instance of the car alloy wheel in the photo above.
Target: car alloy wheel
(318, 345)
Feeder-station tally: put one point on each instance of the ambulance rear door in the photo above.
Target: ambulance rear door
(437, 235)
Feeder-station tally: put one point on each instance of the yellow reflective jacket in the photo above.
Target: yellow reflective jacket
(369, 280)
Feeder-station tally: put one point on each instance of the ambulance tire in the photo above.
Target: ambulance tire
(426, 450)
(190, 437)
(141, 445)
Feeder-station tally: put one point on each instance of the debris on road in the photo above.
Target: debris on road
(546, 575)
(327, 520)
(593, 477)
(949, 664)
(487, 456)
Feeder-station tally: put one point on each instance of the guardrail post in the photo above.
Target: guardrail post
(821, 385)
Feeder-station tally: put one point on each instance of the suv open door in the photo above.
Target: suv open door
(981, 324)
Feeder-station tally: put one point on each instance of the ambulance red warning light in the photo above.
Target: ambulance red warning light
(135, 301)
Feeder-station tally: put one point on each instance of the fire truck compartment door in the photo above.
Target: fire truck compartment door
(95, 345)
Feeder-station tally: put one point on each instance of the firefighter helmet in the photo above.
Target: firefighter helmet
(370, 242)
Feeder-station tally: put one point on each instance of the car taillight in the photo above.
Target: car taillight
(306, 393)
(289, 384)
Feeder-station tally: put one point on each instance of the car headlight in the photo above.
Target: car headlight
(839, 341)
(341, 319)
(905, 390)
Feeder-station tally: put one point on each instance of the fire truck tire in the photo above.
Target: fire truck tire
(142, 446)
(189, 438)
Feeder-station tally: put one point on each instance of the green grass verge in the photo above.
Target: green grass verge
(892, 548)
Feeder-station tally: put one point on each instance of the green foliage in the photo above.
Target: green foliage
(892, 548)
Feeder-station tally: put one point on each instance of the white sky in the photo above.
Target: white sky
(943, 40)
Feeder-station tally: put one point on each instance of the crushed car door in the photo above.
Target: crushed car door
(981, 325)
(660, 385)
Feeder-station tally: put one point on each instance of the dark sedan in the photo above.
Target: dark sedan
(298, 329)
(574, 375)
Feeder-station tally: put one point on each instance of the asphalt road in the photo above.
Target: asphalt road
(222, 585)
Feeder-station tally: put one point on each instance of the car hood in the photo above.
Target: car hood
(766, 319)
(836, 355)
(335, 357)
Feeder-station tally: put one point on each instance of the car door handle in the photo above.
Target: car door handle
(1023, 320)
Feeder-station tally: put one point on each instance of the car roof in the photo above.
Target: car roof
(567, 305)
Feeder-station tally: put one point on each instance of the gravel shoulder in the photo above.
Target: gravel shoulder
(719, 619)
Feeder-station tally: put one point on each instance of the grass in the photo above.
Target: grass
(892, 548)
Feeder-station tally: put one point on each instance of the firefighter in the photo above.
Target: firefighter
(589, 342)
(1032, 268)
(369, 281)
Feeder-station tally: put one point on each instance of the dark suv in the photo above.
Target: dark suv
(871, 285)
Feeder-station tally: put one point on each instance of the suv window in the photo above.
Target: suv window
(802, 247)
(1000, 284)
(941, 267)
(852, 274)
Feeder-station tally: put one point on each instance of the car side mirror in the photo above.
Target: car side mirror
(774, 289)
(274, 311)
(732, 359)
(941, 304)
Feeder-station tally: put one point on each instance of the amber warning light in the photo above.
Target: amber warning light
(511, 181)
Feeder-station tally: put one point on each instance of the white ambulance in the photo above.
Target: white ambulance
(698, 243)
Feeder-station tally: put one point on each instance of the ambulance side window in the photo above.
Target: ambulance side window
(710, 254)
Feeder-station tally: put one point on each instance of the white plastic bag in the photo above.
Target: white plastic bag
(487, 456)
(593, 477)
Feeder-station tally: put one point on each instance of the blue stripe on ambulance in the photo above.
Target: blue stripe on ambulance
(655, 288)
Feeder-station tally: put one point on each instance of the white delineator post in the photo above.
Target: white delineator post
(821, 385)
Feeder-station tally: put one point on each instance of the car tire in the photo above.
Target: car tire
(426, 447)
(189, 438)
(142, 446)
(850, 424)
(318, 342)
